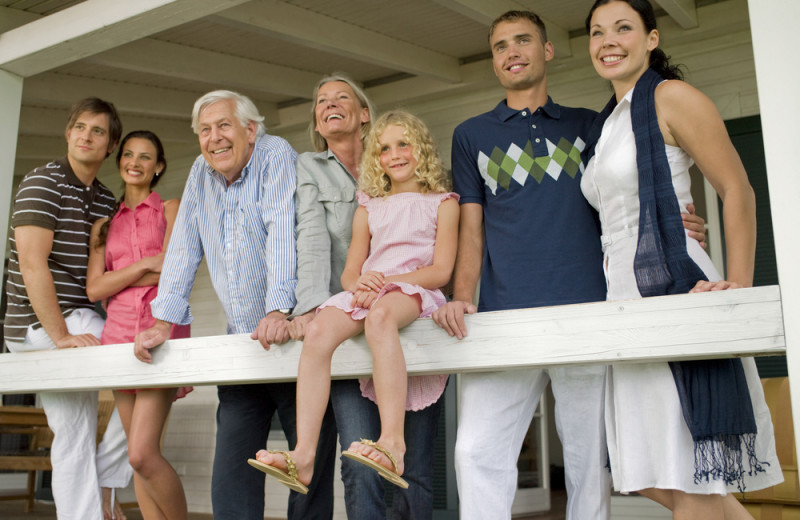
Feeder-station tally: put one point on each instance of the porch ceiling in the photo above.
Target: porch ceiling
(155, 58)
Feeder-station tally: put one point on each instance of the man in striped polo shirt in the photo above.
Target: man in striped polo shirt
(54, 210)
(237, 211)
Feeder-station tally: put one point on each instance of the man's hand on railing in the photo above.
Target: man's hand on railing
(450, 317)
(78, 340)
(150, 338)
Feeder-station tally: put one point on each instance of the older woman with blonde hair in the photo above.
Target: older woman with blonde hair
(325, 203)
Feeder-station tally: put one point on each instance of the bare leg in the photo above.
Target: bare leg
(125, 403)
(155, 478)
(734, 510)
(324, 334)
(392, 312)
(688, 506)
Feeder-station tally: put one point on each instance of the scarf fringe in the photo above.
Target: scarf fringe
(721, 458)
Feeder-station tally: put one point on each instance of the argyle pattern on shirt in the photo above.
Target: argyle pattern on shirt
(520, 164)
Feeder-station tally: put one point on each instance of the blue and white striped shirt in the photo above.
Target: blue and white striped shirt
(246, 232)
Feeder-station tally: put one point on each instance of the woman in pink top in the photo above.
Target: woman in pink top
(125, 260)
(403, 249)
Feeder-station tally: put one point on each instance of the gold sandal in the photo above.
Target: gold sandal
(288, 478)
(383, 471)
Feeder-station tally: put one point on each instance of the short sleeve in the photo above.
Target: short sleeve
(38, 202)
(363, 199)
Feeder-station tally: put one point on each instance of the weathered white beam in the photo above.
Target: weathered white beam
(11, 88)
(475, 75)
(13, 18)
(93, 26)
(682, 11)
(720, 324)
(61, 89)
(485, 11)
(773, 24)
(330, 35)
(52, 122)
(180, 61)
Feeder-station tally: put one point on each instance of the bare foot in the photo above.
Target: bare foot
(303, 465)
(397, 449)
(111, 511)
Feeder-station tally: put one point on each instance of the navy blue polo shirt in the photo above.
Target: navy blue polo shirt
(542, 239)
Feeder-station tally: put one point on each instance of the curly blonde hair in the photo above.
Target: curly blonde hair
(432, 176)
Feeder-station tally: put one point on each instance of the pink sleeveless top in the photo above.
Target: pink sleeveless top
(133, 235)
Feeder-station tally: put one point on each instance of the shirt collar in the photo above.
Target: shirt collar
(504, 113)
(153, 201)
(69, 174)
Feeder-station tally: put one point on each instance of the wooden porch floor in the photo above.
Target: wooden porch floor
(14, 510)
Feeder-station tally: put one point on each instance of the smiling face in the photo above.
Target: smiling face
(519, 54)
(138, 162)
(225, 144)
(338, 111)
(620, 45)
(88, 140)
(397, 159)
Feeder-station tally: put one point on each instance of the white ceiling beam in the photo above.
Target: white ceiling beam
(475, 75)
(94, 26)
(52, 122)
(330, 35)
(47, 148)
(13, 18)
(180, 61)
(485, 11)
(63, 90)
(682, 11)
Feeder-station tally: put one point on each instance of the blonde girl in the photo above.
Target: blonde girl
(403, 249)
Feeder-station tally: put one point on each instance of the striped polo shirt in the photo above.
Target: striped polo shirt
(54, 198)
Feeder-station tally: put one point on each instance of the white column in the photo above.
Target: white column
(10, 101)
(774, 24)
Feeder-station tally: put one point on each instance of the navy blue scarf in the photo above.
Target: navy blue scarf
(714, 396)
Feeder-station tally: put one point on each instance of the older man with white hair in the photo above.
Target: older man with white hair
(237, 210)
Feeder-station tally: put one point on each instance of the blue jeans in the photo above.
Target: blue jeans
(243, 420)
(357, 417)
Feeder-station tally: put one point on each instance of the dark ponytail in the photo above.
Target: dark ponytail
(659, 61)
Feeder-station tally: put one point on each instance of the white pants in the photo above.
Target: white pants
(494, 413)
(80, 467)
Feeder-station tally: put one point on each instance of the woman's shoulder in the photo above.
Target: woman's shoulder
(677, 95)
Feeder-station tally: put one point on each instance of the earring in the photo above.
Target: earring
(158, 173)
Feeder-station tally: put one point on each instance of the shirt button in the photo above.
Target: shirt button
(524, 113)
(533, 126)
(537, 139)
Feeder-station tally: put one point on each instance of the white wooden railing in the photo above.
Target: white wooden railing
(744, 322)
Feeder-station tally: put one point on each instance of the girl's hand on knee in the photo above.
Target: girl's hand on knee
(364, 299)
(370, 281)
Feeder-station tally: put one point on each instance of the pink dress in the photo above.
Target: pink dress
(403, 231)
(133, 235)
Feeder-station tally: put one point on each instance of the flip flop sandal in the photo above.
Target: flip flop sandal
(288, 479)
(383, 471)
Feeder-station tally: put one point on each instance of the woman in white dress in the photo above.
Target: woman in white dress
(638, 179)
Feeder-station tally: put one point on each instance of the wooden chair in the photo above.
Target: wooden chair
(31, 421)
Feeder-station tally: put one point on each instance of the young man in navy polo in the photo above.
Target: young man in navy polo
(532, 239)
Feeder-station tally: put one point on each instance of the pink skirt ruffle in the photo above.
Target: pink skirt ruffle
(423, 391)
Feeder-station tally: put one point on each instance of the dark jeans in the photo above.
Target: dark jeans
(243, 420)
(357, 417)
